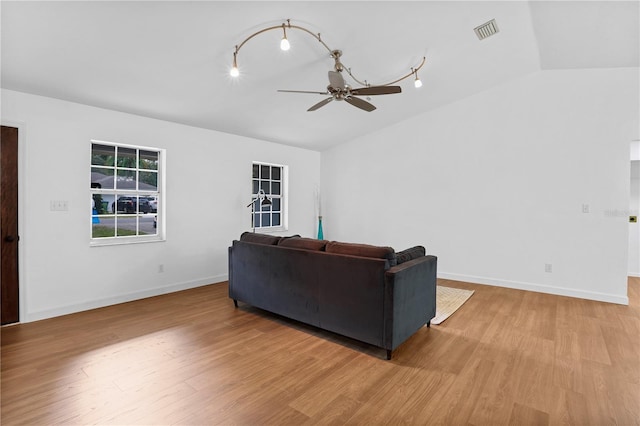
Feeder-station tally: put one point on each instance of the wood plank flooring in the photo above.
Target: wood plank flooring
(506, 357)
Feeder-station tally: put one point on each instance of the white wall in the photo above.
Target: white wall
(494, 185)
(208, 187)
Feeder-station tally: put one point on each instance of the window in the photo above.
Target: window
(270, 178)
(126, 193)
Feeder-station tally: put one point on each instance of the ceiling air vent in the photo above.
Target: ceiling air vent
(487, 29)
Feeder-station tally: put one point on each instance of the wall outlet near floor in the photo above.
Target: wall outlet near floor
(548, 267)
(161, 268)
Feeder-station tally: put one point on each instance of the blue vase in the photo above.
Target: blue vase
(320, 233)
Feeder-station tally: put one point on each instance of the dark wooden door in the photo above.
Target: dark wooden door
(9, 224)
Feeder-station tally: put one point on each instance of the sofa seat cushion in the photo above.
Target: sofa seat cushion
(303, 243)
(410, 254)
(252, 237)
(362, 250)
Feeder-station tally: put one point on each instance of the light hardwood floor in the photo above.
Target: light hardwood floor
(506, 357)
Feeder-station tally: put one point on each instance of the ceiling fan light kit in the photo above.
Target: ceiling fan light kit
(338, 89)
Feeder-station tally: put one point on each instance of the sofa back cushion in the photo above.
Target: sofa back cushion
(410, 254)
(252, 237)
(303, 243)
(362, 250)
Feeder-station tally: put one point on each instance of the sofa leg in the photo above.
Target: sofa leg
(235, 303)
(389, 354)
(429, 323)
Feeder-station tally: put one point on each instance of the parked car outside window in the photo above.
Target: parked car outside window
(128, 205)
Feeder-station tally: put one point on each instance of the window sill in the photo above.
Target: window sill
(271, 229)
(100, 242)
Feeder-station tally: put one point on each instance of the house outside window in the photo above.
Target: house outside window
(272, 179)
(126, 193)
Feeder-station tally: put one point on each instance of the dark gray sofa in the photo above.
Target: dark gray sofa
(355, 290)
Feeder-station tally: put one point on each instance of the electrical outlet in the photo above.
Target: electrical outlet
(160, 268)
(548, 267)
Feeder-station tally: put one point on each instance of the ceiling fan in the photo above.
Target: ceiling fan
(340, 91)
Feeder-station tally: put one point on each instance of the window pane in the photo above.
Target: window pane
(104, 228)
(264, 172)
(102, 178)
(126, 204)
(275, 173)
(102, 155)
(148, 203)
(275, 206)
(149, 160)
(144, 204)
(265, 187)
(256, 186)
(126, 226)
(256, 171)
(275, 219)
(126, 179)
(126, 157)
(266, 219)
(146, 224)
(256, 218)
(275, 188)
(148, 181)
(100, 206)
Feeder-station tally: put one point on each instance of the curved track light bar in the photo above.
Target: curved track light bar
(335, 54)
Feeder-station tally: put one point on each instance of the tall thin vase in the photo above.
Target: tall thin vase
(320, 233)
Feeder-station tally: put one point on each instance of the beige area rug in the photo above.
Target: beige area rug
(448, 300)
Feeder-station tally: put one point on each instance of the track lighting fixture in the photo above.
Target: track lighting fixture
(285, 45)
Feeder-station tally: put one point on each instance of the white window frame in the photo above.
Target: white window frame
(159, 194)
(284, 197)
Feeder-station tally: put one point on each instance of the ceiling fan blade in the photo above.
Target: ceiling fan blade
(336, 80)
(357, 102)
(320, 104)
(376, 90)
(303, 91)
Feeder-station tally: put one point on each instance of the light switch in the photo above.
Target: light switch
(59, 205)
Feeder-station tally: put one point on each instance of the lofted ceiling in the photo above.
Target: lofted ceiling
(171, 60)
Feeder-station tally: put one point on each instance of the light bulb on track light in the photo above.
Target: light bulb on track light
(234, 72)
(417, 82)
(284, 44)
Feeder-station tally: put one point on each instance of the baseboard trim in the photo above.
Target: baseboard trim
(123, 298)
(539, 288)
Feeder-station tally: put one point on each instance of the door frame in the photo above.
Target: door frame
(22, 185)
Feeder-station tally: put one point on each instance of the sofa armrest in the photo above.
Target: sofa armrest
(410, 299)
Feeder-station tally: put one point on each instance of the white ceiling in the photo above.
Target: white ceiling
(170, 60)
